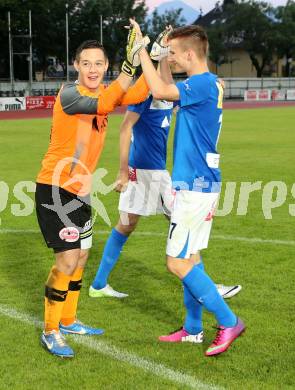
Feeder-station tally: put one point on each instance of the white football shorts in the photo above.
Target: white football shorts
(191, 222)
(148, 192)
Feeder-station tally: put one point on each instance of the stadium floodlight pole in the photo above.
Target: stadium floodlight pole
(67, 40)
(31, 53)
(101, 35)
(10, 55)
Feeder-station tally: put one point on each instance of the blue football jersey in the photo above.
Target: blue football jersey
(198, 124)
(148, 149)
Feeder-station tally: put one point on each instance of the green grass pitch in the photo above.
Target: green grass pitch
(256, 146)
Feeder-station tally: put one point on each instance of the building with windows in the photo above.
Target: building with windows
(236, 61)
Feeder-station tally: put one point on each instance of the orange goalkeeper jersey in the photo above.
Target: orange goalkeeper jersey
(78, 132)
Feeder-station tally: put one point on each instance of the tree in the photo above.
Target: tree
(48, 30)
(286, 34)
(115, 15)
(252, 24)
(48, 25)
(157, 23)
(217, 50)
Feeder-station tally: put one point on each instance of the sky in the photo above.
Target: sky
(206, 5)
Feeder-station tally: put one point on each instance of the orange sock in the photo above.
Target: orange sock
(70, 306)
(56, 290)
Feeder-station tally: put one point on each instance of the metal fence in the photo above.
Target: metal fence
(235, 87)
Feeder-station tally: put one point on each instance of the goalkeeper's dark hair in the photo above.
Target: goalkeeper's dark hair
(90, 44)
(193, 37)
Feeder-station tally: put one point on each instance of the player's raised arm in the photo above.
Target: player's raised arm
(165, 71)
(159, 88)
(129, 121)
(137, 93)
(111, 94)
(159, 53)
(134, 43)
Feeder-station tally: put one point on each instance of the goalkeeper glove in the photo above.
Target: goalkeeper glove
(160, 49)
(128, 69)
(134, 45)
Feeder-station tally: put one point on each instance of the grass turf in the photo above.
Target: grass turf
(256, 145)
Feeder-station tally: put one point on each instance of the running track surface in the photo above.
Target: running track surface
(43, 113)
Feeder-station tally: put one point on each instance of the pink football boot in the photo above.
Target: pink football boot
(224, 338)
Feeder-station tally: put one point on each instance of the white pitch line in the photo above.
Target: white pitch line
(24, 231)
(121, 355)
(254, 240)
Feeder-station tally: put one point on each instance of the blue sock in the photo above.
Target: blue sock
(203, 289)
(109, 259)
(194, 310)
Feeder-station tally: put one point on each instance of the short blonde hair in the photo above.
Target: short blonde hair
(193, 37)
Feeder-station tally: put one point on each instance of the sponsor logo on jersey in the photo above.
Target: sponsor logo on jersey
(69, 234)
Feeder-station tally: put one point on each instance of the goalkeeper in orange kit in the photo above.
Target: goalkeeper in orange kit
(63, 183)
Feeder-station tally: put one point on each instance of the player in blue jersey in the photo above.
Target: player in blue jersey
(149, 189)
(195, 176)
